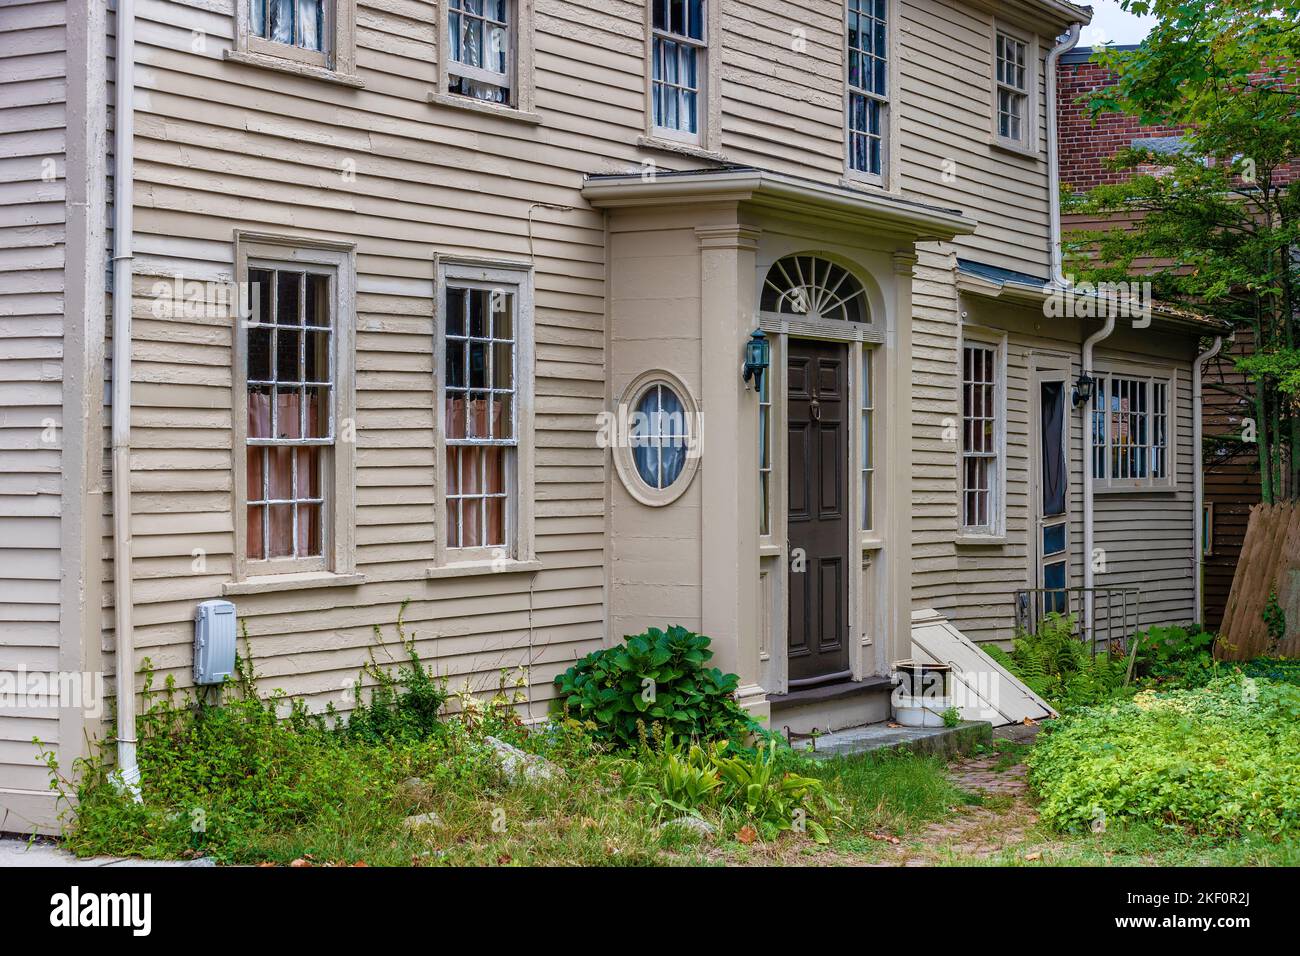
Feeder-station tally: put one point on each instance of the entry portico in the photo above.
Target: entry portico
(787, 540)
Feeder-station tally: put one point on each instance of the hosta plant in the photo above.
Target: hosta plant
(660, 680)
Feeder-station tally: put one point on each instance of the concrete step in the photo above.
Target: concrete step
(869, 738)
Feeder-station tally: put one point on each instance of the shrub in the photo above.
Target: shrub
(406, 705)
(1057, 666)
(1218, 759)
(656, 678)
(1176, 655)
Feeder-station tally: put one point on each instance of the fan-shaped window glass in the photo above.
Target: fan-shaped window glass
(814, 288)
(659, 433)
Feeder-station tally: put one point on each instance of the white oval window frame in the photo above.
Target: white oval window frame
(623, 461)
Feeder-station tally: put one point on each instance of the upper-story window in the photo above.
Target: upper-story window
(480, 62)
(678, 70)
(1013, 77)
(867, 108)
(316, 37)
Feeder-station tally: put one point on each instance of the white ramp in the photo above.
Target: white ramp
(983, 688)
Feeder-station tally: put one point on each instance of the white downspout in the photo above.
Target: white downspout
(128, 772)
(1198, 479)
(1058, 279)
(1053, 153)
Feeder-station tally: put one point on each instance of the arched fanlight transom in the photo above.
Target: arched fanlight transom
(813, 288)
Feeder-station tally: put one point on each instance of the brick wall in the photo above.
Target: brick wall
(1085, 144)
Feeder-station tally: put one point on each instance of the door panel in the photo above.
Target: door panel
(818, 513)
(1053, 487)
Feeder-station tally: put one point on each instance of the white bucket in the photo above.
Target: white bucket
(913, 711)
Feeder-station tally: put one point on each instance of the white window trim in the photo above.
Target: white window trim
(889, 139)
(1147, 375)
(706, 142)
(338, 518)
(1029, 140)
(519, 65)
(519, 550)
(624, 462)
(995, 531)
(337, 63)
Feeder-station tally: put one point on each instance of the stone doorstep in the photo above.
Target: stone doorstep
(945, 741)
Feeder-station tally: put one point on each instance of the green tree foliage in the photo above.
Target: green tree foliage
(1223, 212)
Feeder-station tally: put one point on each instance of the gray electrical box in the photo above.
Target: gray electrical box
(214, 642)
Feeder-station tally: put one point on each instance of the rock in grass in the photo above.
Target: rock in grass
(519, 765)
(694, 824)
(421, 823)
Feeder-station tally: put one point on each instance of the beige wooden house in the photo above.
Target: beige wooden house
(448, 302)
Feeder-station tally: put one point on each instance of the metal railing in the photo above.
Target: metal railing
(1113, 619)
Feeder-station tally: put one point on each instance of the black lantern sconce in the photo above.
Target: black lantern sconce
(758, 356)
(1083, 389)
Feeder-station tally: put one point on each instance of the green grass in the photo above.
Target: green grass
(1136, 845)
(891, 792)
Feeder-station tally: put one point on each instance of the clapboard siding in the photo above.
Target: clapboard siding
(220, 147)
(1145, 538)
(33, 141)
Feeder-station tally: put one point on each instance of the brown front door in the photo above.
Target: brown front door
(819, 512)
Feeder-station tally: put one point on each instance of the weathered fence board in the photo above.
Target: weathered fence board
(1270, 559)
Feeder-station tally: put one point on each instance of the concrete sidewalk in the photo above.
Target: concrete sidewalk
(42, 852)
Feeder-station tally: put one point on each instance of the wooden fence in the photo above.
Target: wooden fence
(1270, 560)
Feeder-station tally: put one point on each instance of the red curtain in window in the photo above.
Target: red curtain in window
(277, 462)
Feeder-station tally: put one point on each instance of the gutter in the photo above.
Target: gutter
(1198, 479)
(128, 772)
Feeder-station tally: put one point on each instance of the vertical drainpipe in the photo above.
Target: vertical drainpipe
(128, 772)
(1198, 479)
(1058, 279)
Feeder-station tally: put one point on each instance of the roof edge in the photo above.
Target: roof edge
(778, 192)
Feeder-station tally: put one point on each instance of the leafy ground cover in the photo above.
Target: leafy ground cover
(401, 782)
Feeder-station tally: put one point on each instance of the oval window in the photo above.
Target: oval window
(659, 433)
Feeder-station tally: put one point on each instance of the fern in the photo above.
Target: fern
(1056, 665)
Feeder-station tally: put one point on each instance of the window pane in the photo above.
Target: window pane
(309, 24)
(280, 531)
(287, 306)
(281, 20)
(255, 532)
(316, 309)
(478, 416)
(309, 531)
(259, 354)
(456, 364)
(257, 17)
(318, 411)
(286, 355)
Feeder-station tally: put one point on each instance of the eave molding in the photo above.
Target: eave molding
(781, 194)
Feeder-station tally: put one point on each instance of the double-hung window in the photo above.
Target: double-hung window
(295, 342)
(1013, 75)
(678, 53)
(867, 108)
(1131, 432)
(981, 439)
(485, 395)
(480, 61)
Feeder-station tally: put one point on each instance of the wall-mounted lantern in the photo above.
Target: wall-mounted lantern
(1083, 389)
(758, 356)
